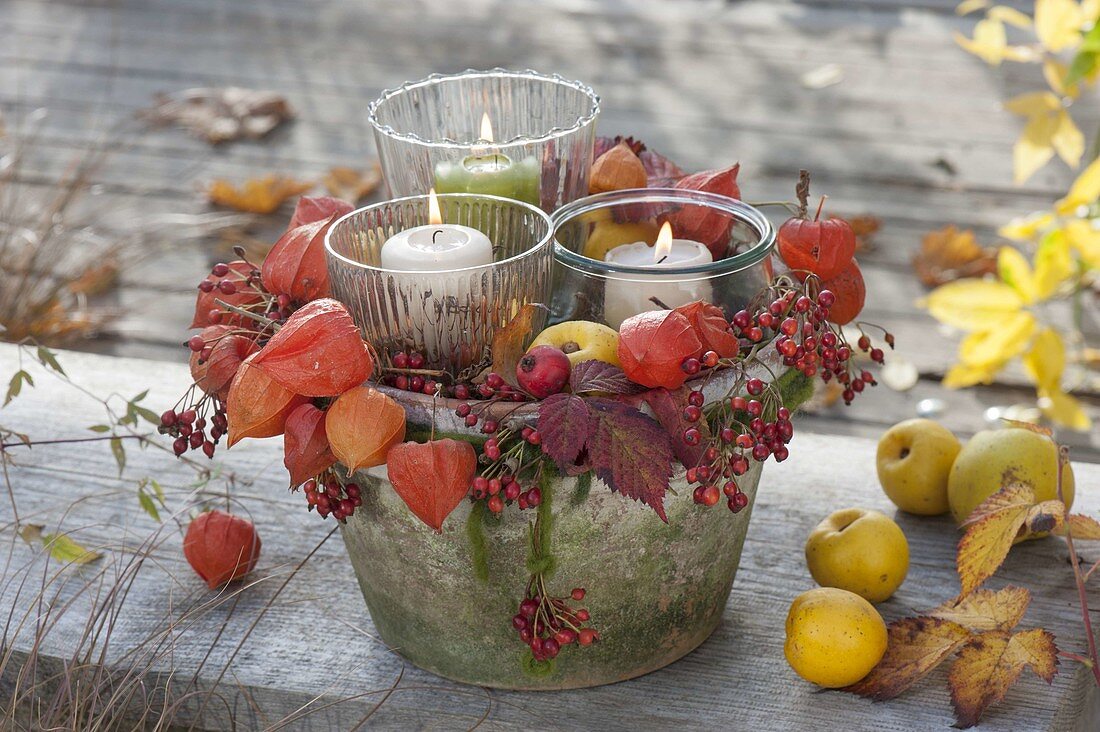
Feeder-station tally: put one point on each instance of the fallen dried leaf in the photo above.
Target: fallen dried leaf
(510, 342)
(349, 184)
(257, 195)
(1083, 527)
(949, 254)
(914, 648)
(61, 546)
(221, 114)
(864, 226)
(991, 662)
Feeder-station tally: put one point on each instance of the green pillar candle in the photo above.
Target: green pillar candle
(494, 174)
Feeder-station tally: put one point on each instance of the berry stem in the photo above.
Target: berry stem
(265, 321)
(820, 205)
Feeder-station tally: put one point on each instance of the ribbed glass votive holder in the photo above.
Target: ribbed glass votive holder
(732, 265)
(449, 315)
(516, 134)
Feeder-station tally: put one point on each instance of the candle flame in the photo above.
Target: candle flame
(486, 127)
(663, 247)
(435, 216)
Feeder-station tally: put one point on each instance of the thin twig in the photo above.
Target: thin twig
(1063, 456)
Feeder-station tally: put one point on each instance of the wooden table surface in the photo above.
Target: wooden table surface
(273, 663)
(912, 132)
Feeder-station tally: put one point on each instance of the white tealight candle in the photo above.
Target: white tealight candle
(629, 294)
(438, 250)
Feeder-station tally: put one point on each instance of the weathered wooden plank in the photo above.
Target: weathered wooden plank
(737, 678)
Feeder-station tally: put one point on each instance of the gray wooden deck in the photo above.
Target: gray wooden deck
(269, 664)
(913, 132)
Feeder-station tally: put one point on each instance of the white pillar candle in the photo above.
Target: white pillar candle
(437, 250)
(629, 294)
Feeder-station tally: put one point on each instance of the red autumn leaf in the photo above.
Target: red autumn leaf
(565, 424)
(712, 328)
(631, 453)
(318, 351)
(221, 547)
(662, 172)
(362, 425)
(228, 349)
(306, 450)
(257, 406)
(600, 377)
(432, 478)
(296, 265)
(702, 223)
(209, 312)
(317, 208)
(668, 407)
(654, 344)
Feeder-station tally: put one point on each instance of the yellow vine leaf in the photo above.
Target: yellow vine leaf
(990, 663)
(1012, 16)
(915, 646)
(1058, 24)
(972, 305)
(1084, 191)
(1046, 360)
(1033, 104)
(1015, 271)
(989, 348)
(1064, 409)
(1084, 238)
(984, 610)
(61, 546)
(1083, 527)
(1035, 146)
(1027, 228)
(989, 41)
(1053, 264)
(962, 375)
(966, 7)
(1068, 140)
(258, 195)
(995, 524)
(1055, 72)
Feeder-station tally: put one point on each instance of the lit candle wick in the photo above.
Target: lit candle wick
(663, 247)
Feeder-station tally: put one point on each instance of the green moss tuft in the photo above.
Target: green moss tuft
(479, 549)
(795, 388)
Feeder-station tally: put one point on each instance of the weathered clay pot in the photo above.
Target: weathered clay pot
(655, 590)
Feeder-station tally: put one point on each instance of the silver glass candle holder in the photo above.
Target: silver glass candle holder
(739, 240)
(515, 134)
(446, 311)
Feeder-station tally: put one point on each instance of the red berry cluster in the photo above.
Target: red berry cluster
(548, 624)
(329, 496)
(191, 428)
(411, 363)
(504, 455)
(502, 491)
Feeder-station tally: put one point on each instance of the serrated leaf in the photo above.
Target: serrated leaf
(631, 453)
(139, 397)
(994, 525)
(984, 610)
(1084, 191)
(119, 452)
(60, 546)
(994, 347)
(47, 358)
(99, 428)
(1015, 271)
(15, 386)
(1012, 16)
(668, 406)
(600, 376)
(915, 647)
(148, 415)
(158, 490)
(1082, 527)
(566, 424)
(147, 504)
(990, 664)
(1053, 264)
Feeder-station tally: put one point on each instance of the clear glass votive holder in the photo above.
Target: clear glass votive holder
(737, 237)
(448, 315)
(516, 134)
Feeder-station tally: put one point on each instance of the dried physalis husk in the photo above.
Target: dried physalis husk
(362, 425)
(616, 169)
